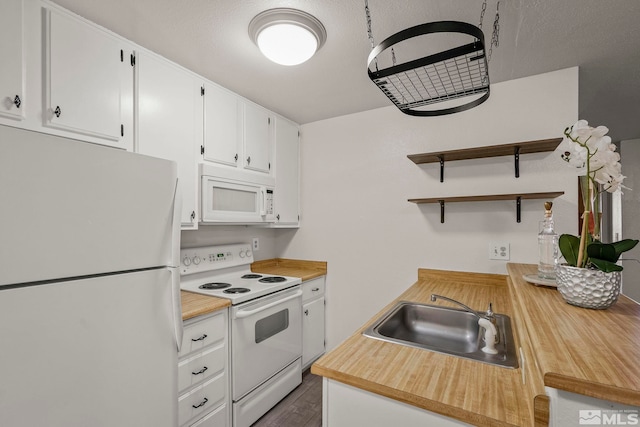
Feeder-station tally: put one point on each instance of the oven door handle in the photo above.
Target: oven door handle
(241, 314)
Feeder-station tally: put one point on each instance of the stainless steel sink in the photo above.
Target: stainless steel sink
(444, 330)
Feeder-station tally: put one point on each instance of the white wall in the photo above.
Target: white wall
(630, 158)
(356, 179)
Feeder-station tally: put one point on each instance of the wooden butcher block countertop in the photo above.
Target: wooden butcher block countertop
(306, 270)
(591, 352)
(194, 305)
(467, 390)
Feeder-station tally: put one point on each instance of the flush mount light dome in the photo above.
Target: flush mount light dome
(287, 36)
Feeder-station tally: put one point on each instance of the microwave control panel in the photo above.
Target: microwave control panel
(268, 208)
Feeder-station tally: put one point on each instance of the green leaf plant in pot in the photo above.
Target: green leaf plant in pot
(591, 278)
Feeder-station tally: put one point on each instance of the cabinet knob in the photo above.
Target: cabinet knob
(278, 217)
(306, 312)
(235, 157)
(193, 215)
(249, 160)
(57, 111)
(17, 101)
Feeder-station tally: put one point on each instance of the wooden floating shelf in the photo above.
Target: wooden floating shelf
(513, 149)
(487, 198)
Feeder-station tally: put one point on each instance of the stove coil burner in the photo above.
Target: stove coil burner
(236, 290)
(251, 276)
(214, 285)
(273, 279)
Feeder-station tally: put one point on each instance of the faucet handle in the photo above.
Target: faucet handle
(490, 310)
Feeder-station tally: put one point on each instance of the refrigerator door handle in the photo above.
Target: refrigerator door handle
(175, 227)
(177, 307)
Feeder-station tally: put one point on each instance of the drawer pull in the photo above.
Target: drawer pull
(201, 403)
(199, 339)
(315, 289)
(201, 371)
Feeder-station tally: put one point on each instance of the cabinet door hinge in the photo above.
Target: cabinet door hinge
(269, 165)
(121, 55)
(133, 60)
(121, 130)
(268, 120)
(202, 149)
(202, 91)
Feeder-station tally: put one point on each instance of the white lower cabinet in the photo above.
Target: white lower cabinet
(203, 372)
(313, 329)
(572, 409)
(347, 406)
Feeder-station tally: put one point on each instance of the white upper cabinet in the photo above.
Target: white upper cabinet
(11, 60)
(222, 125)
(237, 132)
(88, 78)
(287, 194)
(258, 140)
(169, 117)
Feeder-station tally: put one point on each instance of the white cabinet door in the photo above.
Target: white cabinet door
(169, 117)
(11, 60)
(312, 330)
(257, 138)
(222, 125)
(286, 198)
(87, 74)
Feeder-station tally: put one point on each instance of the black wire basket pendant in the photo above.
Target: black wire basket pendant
(454, 74)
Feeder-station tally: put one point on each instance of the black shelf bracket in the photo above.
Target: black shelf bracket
(518, 208)
(441, 169)
(516, 158)
(441, 211)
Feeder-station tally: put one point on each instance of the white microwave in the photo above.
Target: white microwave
(235, 202)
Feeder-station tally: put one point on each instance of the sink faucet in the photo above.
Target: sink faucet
(486, 321)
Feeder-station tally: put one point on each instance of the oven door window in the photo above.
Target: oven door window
(271, 325)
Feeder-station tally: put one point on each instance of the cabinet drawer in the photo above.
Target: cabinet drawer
(200, 367)
(313, 288)
(201, 400)
(218, 418)
(204, 333)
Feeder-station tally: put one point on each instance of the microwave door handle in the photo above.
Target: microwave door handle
(263, 205)
(241, 314)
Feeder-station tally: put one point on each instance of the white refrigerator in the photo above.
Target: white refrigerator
(90, 317)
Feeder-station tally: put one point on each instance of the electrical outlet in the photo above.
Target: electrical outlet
(499, 251)
(256, 244)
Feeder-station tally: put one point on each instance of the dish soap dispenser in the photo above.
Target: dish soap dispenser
(547, 245)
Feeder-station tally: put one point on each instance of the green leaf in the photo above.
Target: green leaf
(624, 245)
(602, 251)
(569, 246)
(605, 266)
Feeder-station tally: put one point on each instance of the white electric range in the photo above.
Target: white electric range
(265, 324)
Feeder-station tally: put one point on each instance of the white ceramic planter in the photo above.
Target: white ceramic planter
(588, 288)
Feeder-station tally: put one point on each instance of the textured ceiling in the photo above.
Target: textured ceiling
(210, 37)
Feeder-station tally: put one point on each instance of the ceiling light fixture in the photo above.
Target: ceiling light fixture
(287, 36)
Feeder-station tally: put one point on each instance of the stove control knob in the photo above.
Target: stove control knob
(248, 253)
(186, 261)
(196, 260)
(241, 254)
